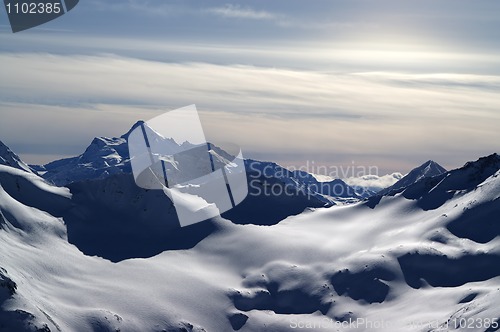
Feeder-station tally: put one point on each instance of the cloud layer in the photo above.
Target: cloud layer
(374, 182)
(237, 11)
(392, 120)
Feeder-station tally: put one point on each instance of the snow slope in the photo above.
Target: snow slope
(402, 264)
(9, 158)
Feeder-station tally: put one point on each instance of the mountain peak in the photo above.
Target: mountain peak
(428, 169)
(137, 124)
(429, 162)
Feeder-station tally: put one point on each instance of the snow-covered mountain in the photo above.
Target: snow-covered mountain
(9, 158)
(103, 157)
(426, 170)
(297, 190)
(424, 259)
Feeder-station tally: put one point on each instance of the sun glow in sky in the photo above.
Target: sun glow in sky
(386, 83)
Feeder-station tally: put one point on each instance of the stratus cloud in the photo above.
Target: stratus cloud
(237, 11)
(290, 115)
(374, 182)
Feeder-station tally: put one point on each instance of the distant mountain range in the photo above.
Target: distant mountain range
(110, 156)
(292, 191)
(274, 192)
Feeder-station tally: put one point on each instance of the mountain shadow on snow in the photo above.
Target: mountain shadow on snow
(114, 219)
(444, 271)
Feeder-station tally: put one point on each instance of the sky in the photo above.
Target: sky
(334, 83)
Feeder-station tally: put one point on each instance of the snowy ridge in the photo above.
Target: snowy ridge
(431, 192)
(9, 158)
(427, 169)
(103, 157)
(110, 156)
(296, 190)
